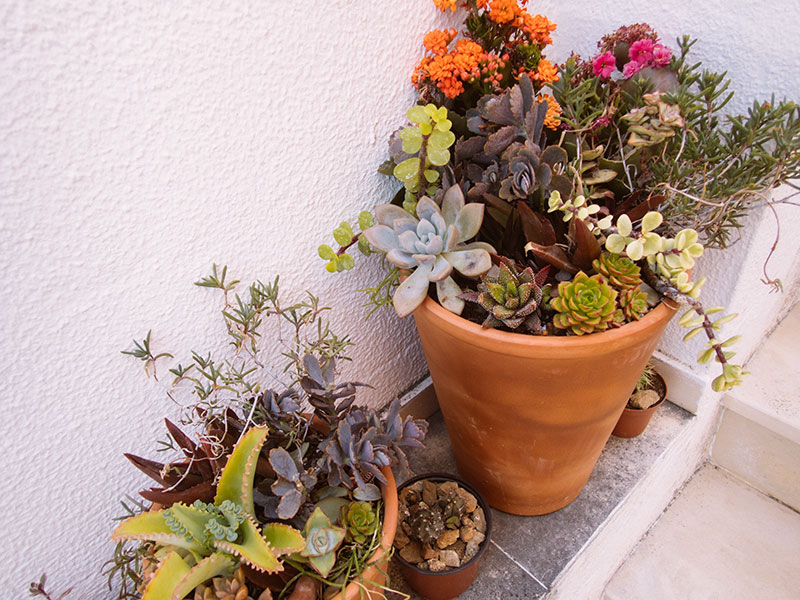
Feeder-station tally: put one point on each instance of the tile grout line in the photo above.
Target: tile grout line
(512, 559)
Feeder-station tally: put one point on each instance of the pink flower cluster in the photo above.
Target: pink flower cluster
(643, 53)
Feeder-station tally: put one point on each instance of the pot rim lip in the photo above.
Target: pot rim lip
(652, 407)
(390, 505)
(663, 310)
(481, 502)
(661, 400)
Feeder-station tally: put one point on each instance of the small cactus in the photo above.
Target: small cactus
(426, 523)
(585, 305)
(452, 509)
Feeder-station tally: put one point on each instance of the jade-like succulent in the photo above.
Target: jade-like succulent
(619, 271)
(510, 295)
(360, 520)
(202, 541)
(426, 523)
(585, 305)
(293, 484)
(424, 146)
(322, 540)
(432, 244)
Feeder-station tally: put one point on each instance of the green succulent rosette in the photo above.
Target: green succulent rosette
(633, 303)
(585, 305)
(360, 521)
(620, 271)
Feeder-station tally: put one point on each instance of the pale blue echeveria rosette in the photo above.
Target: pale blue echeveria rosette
(432, 245)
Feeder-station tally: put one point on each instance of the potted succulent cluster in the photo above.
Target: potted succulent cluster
(279, 494)
(444, 527)
(546, 230)
(649, 393)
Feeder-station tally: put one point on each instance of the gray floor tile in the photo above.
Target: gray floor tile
(544, 545)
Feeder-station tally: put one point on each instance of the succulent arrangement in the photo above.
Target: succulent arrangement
(441, 525)
(613, 173)
(277, 483)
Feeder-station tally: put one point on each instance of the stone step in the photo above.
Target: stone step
(759, 433)
(573, 552)
(720, 538)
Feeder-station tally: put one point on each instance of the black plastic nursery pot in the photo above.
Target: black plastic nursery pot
(445, 585)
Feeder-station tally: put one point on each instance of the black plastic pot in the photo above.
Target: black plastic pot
(445, 585)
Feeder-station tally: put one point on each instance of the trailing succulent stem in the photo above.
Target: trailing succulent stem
(697, 319)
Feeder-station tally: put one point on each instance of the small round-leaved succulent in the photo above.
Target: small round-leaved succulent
(431, 244)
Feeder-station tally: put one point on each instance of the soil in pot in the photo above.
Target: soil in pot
(634, 419)
(443, 530)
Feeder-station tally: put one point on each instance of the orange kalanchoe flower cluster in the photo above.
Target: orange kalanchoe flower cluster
(443, 5)
(546, 72)
(505, 11)
(553, 117)
(436, 41)
(504, 25)
(449, 70)
(537, 28)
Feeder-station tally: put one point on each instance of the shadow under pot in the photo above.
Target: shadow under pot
(454, 521)
(633, 421)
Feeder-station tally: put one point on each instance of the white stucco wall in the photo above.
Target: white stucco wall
(140, 142)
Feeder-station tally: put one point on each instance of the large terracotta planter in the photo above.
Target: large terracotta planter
(528, 415)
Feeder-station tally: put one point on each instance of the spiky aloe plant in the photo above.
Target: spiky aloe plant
(202, 541)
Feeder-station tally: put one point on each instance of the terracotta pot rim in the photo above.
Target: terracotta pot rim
(481, 502)
(656, 405)
(661, 398)
(389, 495)
(466, 329)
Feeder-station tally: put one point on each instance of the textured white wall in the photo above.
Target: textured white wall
(141, 141)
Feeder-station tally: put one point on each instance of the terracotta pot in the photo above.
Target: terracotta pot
(633, 421)
(529, 415)
(446, 584)
(369, 584)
